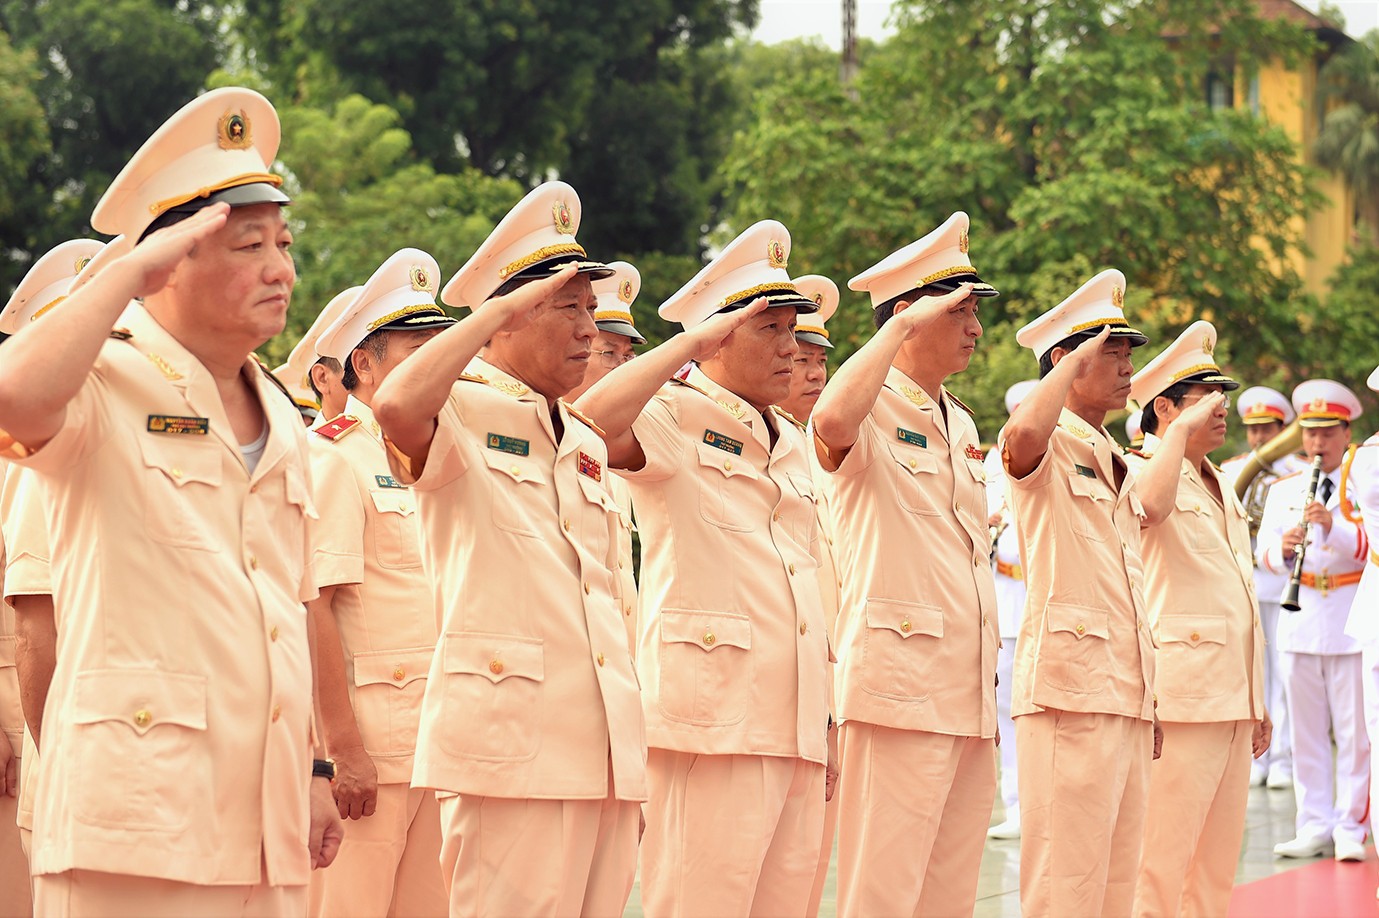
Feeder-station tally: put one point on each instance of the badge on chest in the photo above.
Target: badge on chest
(590, 467)
(388, 481)
(173, 424)
(911, 437)
(515, 445)
(722, 441)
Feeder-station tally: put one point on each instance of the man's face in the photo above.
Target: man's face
(609, 352)
(806, 380)
(238, 282)
(757, 359)
(551, 354)
(949, 343)
(1259, 434)
(1209, 436)
(401, 345)
(1328, 442)
(1106, 385)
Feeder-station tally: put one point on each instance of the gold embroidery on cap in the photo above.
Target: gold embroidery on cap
(928, 279)
(759, 289)
(541, 254)
(234, 131)
(34, 317)
(625, 291)
(564, 221)
(1083, 326)
(775, 254)
(396, 314)
(962, 241)
(1117, 296)
(1207, 344)
(421, 280)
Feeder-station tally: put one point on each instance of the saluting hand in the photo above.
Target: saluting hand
(1200, 413)
(916, 318)
(1087, 351)
(523, 305)
(154, 260)
(708, 336)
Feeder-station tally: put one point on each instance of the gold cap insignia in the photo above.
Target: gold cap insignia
(818, 299)
(80, 264)
(625, 291)
(421, 280)
(564, 221)
(1318, 404)
(1259, 408)
(962, 241)
(1207, 345)
(775, 254)
(233, 132)
(1117, 296)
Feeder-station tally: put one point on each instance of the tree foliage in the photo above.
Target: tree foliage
(1349, 138)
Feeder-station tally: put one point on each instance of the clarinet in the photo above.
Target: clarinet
(1290, 598)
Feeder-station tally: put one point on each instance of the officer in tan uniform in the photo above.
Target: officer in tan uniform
(1209, 667)
(612, 348)
(1084, 665)
(314, 382)
(916, 641)
(531, 713)
(733, 651)
(375, 619)
(195, 718)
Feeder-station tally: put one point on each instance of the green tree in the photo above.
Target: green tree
(24, 150)
(1349, 139)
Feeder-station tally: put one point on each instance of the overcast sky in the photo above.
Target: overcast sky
(782, 19)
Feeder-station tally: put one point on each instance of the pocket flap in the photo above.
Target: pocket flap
(1192, 629)
(495, 656)
(141, 699)
(518, 468)
(915, 461)
(392, 667)
(393, 500)
(1091, 488)
(725, 462)
(803, 485)
(1189, 504)
(706, 630)
(180, 460)
(905, 618)
(1079, 621)
(9, 649)
(597, 494)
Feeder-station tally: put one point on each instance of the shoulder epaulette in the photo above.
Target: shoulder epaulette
(789, 417)
(582, 417)
(121, 334)
(277, 383)
(959, 402)
(469, 377)
(685, 382)
(1131, 451)
(335, 429)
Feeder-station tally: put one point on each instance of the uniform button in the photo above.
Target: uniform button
(399, 674)
(277, 712)
(565, 524)
(626, 610)
(791, 568)
(727, 465)
(776, 516)
(600, 659)
(709, 638)
(620, 564)
(983, 621)
(586, 588)
(254, 561)
(516, 470)
(1125, 546)
(495, 666)
(1197, 508)
(1194, 636)
(273, 634)
(142, 717)
(1081, 628)
(804, 628)
(176, 472)
(905, 625)
(957, 508)
(914, 464)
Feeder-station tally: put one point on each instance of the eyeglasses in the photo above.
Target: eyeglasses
(612, 359)
(1191, 399)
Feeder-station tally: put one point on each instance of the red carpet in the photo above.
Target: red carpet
(1324, 889)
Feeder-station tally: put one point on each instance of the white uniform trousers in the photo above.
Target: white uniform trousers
(1326, 695)
(1280, 754)
(1370, 666)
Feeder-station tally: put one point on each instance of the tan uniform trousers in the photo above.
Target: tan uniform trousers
(389, 863)
(1084, 784)
(730, 834)
(15, 900)
(532, 858)
(816, 896)
(93, 894)
(1195, 824)
(912, 820)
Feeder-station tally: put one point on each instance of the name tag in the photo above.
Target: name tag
(515, 445)
(912, 438)
(590, 467)
(172, 424)
(725, 443)
(388, 481)
(1084, 471)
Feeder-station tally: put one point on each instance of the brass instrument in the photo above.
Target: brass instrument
(1290, 596)
(1251, 486)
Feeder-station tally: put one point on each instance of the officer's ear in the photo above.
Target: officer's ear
(1164, 408)
(363, 362)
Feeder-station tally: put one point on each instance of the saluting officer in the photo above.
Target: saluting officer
(531, 714)
(917, 640)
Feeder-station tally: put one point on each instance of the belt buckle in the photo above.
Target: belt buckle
(1324, 584)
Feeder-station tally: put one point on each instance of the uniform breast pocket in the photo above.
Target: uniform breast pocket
(514, 481)
(1078, 643)
(915, 471)
(177, 474)
(725, 482)
(492, 695)
(706, 666)
(396, 531)
(140, 749)
(388, 685)
(1191, 648)
(1092, 507)
(1194, 521)
(901, 648)
(599, 519)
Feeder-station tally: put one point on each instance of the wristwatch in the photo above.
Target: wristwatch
(323, 768)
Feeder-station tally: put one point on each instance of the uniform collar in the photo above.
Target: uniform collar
(738, 407)
(899, 381)
(364, 414)
(502, 381)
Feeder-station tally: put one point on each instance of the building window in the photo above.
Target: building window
(1220, 92)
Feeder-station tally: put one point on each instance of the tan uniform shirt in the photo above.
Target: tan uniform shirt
(626, 579)
(182, 696)
(733, 651)
(532, 685)
(917, 630)
(11, 714)
(1199, 585)
(368, 542)
(1084, 641)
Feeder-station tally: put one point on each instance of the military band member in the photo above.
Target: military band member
(1264, 413)
(1084, 667)
(1010, 608)
(375, 619)
(1209, 669)
(916, 641)
(1321, 664)
(733, 651)
(612, 348)
(185, 672)
(314, 382)
(532, 714)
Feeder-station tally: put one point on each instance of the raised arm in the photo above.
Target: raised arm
(409, 400)
(615, 402)
(1030, 428)
(47, 362)
(851, 393)
(1157, 482)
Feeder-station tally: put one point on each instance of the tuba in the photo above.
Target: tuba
(1251, 486)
